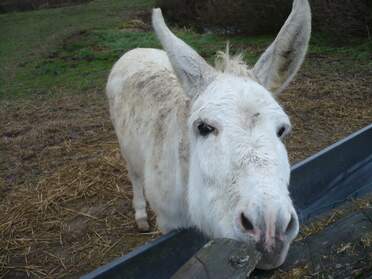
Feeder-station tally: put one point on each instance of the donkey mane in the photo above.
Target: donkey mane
(232, 64)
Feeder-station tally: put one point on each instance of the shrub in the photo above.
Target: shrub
(338, 18)
(25, 5)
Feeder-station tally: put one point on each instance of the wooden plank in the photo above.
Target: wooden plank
(221, 258)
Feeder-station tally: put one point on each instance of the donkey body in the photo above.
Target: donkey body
(203, 144)
(150, 113)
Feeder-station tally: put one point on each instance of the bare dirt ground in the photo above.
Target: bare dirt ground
(65, 196)
(65, 199)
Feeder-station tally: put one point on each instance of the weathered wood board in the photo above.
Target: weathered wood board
(221, 258)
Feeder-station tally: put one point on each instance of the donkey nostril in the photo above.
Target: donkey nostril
(291, 225)
(247, 225)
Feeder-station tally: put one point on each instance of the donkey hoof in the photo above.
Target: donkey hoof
(143, 225)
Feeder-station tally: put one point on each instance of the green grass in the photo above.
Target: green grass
(27, 38)
(72, 49)
(77, 59)
(356, 49)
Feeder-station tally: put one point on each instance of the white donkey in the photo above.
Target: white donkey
(204, 144)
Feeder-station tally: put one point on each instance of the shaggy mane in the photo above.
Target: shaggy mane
(226, 63)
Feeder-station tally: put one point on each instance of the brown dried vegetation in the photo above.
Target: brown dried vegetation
(65, 199)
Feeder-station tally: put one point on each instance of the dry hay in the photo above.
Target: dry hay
(64, 195)
(46, 231)
(320, 223)
(295, 273)
(328, 100)
(75, 215)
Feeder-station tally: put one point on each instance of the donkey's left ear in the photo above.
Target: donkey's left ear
(283, 58)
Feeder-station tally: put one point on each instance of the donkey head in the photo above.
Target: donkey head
(239, 169)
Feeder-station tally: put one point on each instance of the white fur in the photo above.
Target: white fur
(208, 182)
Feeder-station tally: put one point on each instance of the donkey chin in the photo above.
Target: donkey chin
(274, 249)
(271, 235)
(275, 257)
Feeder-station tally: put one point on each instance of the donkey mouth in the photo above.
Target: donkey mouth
(274, 258)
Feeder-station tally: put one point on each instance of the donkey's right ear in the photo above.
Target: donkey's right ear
(281, 61)
(193, 72)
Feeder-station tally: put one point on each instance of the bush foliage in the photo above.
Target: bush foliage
(340, 18)
(239, 16)
(25, 5)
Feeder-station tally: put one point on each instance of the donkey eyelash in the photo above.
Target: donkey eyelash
(205, 129)
(283, 131)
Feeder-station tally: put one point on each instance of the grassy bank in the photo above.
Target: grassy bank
(28, 39)
(71, 49)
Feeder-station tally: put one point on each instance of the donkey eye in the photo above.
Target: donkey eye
(205, 129)
(280, 131)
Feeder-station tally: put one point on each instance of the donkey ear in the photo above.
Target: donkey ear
(281, 61)
(192, 70)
